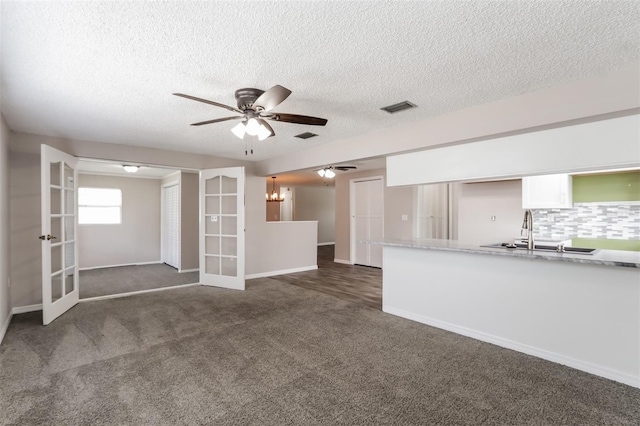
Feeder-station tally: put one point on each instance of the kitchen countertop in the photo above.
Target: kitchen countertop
(629, 259)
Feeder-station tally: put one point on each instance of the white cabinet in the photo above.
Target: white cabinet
(547, 191)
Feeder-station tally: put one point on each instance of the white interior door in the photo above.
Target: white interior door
(171, 225)
(286, 206)
(222, 227)
(59, 229)
(367, 208)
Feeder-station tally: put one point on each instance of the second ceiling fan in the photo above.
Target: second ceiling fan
(254, 107)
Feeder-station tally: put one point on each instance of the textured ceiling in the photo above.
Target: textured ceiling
(105, 71)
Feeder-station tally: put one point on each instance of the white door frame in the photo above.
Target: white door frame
(352, 209)
(162, 214)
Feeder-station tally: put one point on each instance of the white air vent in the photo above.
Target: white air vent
(305, 135)
(391, 109)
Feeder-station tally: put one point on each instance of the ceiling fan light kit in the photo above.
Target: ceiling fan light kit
(255, 105)
(130, 169)
(328, 172)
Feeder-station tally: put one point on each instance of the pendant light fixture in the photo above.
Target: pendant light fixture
(274, 196)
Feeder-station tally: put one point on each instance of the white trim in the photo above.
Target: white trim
(595, 369)
(326, 244)
(346, 262)
(24, 309)
(182, 271)
(133, 293)
(282, 272)
(155, 262)
(5, 326)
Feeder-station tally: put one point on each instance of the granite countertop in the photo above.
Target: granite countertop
(629, 259)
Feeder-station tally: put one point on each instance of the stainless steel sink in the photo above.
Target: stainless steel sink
(541, 247)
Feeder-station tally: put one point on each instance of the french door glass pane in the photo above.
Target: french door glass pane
(69, 228)
(55, 174)
(69, 284)
(56, 287)
(56, 258)
(68, 177)
(230, 204)
(212, 227)
(56, 202)
(69, 254)
(212, 185)
(229, 266)
(212, 265)
(229, 185)
(212, 245)
(229, 246)
(212, 205)
(229, 225)
(56, 228)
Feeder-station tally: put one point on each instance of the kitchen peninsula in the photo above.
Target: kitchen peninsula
(579, 310)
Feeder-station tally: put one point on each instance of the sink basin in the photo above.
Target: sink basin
(572, 250)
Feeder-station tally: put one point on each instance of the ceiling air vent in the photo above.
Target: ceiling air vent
(305, 135)
(391, 109)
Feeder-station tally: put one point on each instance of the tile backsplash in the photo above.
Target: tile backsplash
(613, 221)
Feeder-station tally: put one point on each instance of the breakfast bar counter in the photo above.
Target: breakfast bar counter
(578, 310)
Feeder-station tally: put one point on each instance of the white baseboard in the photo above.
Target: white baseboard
(25, 309)
(346, 262)
(588, 367)
(133, 293)
(281, 272)
(326, 244)
(182, 271)
(155, 262)
(5, 326)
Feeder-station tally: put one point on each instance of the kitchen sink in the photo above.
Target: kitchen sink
(542, 247)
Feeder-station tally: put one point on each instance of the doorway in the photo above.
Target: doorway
(367, 220)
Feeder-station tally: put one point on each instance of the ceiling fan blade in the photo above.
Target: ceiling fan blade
(298, 119)
(267, 125)
(218, 120)
(193, 98)
(344, 168)
(271, 98)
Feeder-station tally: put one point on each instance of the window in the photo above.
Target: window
(99, 206)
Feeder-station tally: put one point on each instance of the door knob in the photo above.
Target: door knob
(47, 237)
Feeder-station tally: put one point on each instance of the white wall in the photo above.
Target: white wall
(5, 304)
(605, 144)
(478, 202)
(317, 203)
(137, 238)
(397, 201)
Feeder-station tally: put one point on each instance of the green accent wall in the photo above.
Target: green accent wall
(630, 245)
(606, 187)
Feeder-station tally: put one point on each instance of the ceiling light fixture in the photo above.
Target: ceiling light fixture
(130, 169)
(251, 127)
(327, 172)
(274, 196)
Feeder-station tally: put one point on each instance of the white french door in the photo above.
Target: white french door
(367, 221)
(222, 227)
(58, 180)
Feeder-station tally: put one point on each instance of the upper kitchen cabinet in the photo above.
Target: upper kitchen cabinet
(547, 192)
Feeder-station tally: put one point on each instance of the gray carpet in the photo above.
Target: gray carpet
(277, 354)
(125, 279)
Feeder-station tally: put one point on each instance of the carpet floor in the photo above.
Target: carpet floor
(126, 279)
(277, 354)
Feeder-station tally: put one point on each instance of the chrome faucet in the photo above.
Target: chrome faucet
(527, 224)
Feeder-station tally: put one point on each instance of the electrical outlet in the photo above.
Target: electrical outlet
(405, 217)
(493, 218)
